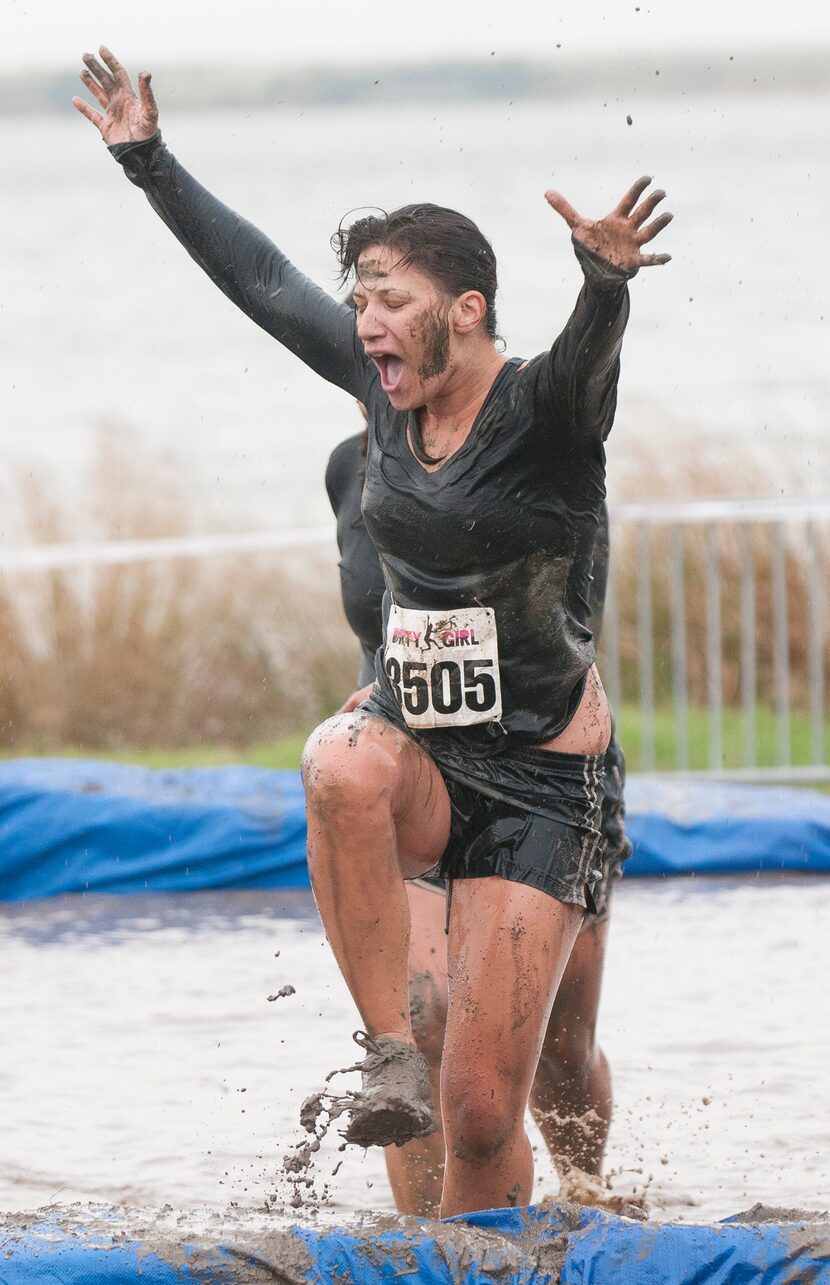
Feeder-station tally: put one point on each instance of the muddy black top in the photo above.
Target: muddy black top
(510, 520)
(361, 578)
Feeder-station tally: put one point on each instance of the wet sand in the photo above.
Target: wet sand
(144, 1064)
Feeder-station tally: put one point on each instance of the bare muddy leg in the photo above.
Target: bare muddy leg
(508, 948)
(377, 810)
(416, 1171)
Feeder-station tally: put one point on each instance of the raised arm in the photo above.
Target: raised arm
(579, 377)
(236, 256)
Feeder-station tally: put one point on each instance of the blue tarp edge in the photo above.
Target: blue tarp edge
(74, 825)
(517, 1247)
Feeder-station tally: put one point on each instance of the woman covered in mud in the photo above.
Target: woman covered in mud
(571, 1098)
(479, 751)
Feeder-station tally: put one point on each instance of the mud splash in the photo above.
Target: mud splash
(580, 1188)
(317, 1114)
(393, 1107)
(283, 991)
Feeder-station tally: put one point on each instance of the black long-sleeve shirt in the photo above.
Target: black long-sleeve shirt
(362, 585)
(508, 523)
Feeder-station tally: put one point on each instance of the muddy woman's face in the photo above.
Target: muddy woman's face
(404, 323)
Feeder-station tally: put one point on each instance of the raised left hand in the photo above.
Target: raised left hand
(620, 236)
(126, 116)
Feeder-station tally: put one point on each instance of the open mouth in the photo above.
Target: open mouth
(391, 371)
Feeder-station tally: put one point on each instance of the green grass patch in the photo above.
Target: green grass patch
(630, 733)
(285, 751)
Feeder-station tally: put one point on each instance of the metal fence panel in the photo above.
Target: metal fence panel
(774, 548)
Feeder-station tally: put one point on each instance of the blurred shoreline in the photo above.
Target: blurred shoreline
(624, 76)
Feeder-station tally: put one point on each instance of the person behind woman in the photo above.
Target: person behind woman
(480, 749)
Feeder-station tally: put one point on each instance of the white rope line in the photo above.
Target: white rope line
(751, 509)
(51, 557)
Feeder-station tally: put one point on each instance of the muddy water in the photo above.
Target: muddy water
(141, 1060)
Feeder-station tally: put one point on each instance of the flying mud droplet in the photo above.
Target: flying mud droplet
(283, 991)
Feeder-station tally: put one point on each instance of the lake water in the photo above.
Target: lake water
(108, 329)
(142, 1063)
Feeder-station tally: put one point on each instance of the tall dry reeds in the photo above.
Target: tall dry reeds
(223, 650)
(694, 478)
(239, 649)
(727, 546)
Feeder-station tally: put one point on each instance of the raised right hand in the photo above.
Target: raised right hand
(620, 236)
(127, 117)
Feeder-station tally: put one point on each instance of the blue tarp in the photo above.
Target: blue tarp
(509, 1246)
(703, 827)
(69, 825)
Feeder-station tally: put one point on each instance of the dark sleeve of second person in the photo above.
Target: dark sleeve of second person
(250, 269)
(361, 579)
(577, 383)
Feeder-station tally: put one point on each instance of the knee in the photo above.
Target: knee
(428, 1011)
(345, 764)
(481, 1120)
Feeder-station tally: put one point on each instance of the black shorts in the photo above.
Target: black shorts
(616, 846)
(517, 811)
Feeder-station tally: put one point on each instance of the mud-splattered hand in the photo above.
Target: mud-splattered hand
(620, 236)
(127, 117)
(356, 698)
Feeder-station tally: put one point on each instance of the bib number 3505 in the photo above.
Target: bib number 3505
(443, 667)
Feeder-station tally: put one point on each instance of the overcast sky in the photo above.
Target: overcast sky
(52, 33)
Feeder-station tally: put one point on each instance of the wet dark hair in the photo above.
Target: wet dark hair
(442, 243)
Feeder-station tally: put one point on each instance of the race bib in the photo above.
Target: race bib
(443, 666)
